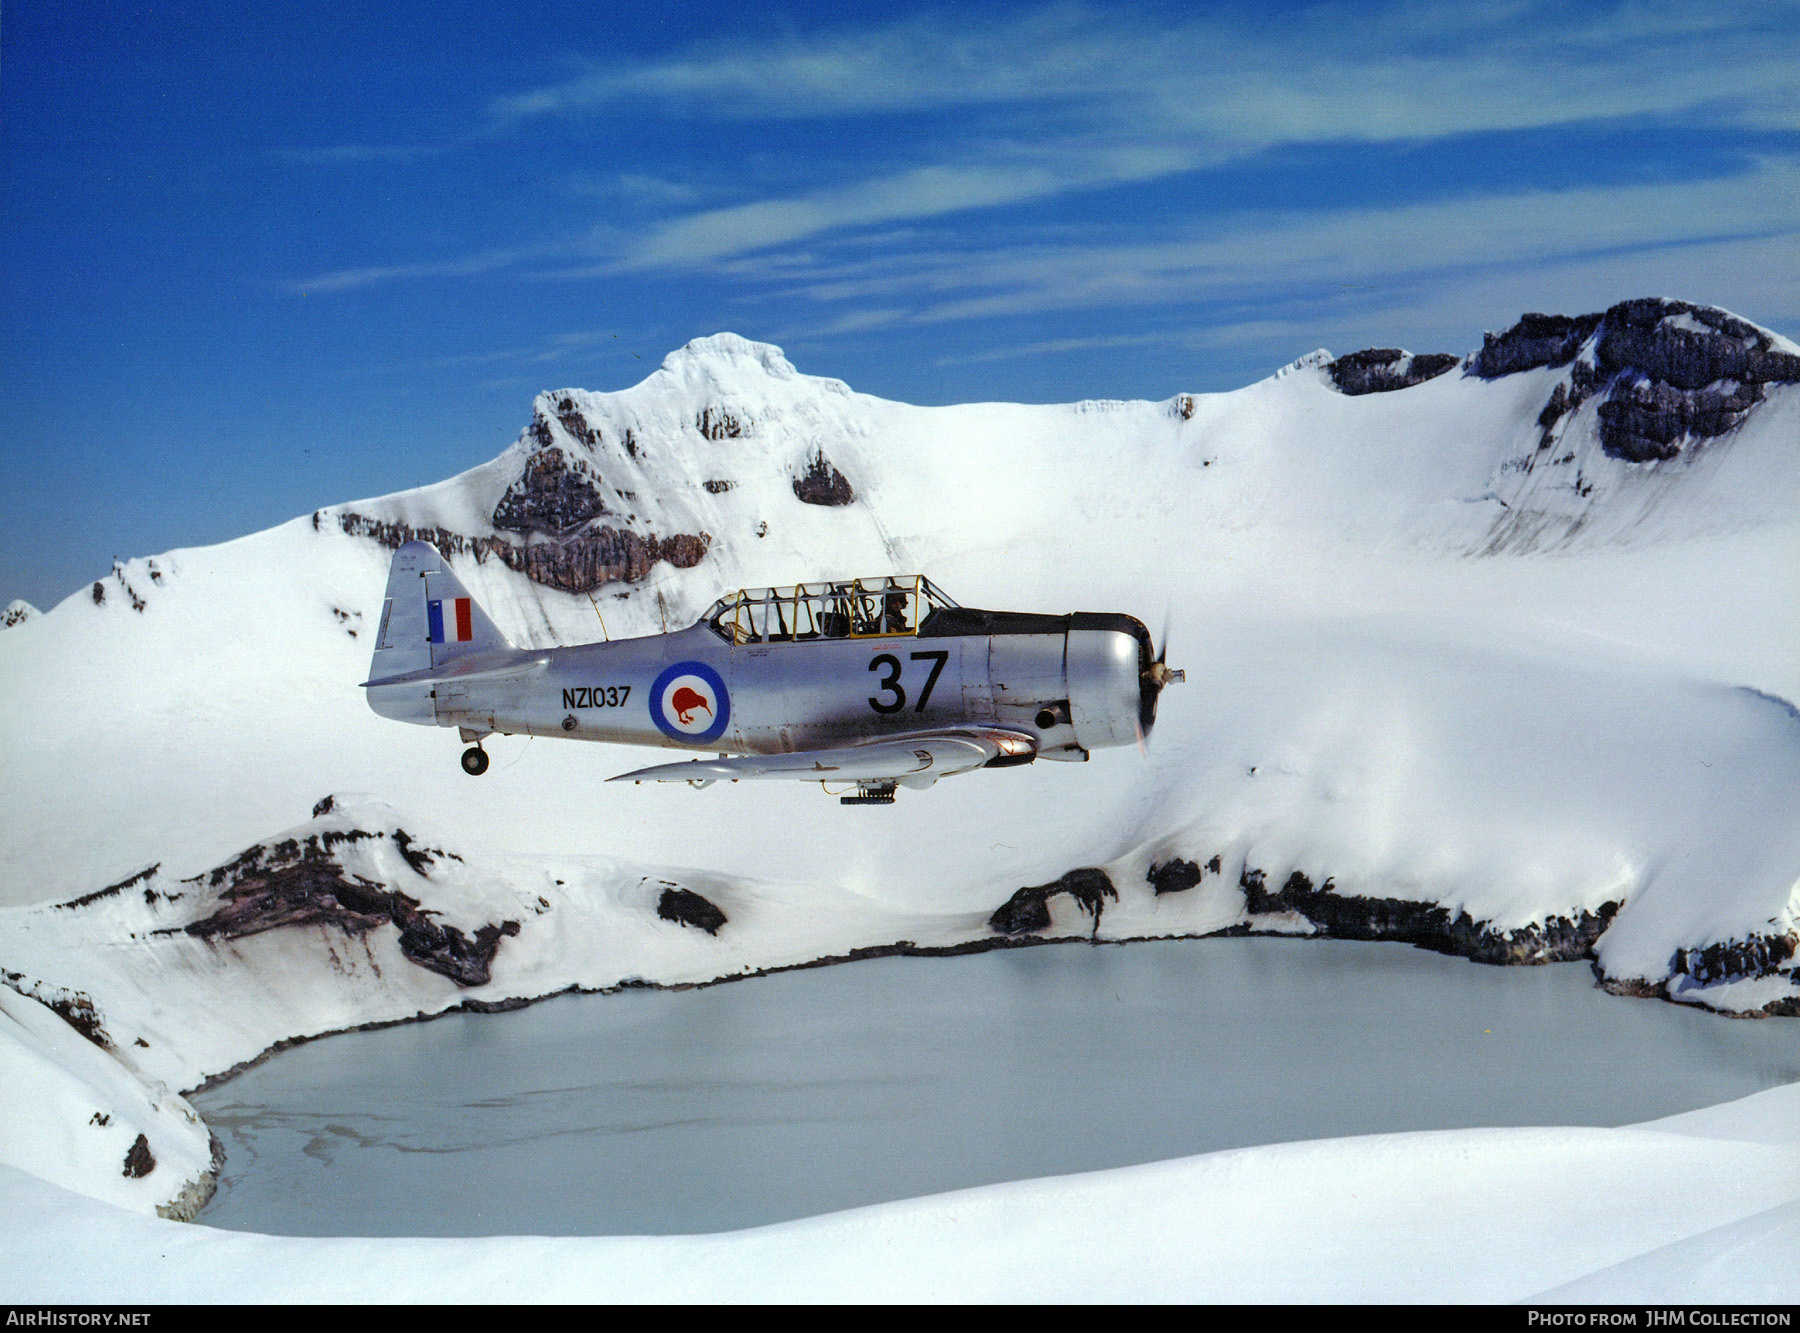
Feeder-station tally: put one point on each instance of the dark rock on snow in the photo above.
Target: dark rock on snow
(1177, 876)
(576, 424)
(822, 484)
(1384, 369)
(138, 1161)
(1536, 340)
(687, 908)
(1348, 917)
(589, 559)
(554, 496)
(1666, 371)
(1735, 960)
(110, 889)
(295, 883)
(1028, 910)
(715, 423)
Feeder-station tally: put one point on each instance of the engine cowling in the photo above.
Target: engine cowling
(1106, 663)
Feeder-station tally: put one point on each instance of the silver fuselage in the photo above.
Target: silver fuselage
(1075, 683)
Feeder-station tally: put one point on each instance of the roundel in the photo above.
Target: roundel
(688, 702)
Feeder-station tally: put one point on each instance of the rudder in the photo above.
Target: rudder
(428, 619)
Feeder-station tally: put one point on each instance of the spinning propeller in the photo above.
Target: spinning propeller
(1150, 685)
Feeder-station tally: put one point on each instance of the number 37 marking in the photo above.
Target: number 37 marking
(890, 682)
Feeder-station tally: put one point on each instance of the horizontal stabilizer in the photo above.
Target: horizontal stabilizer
(483, 666)
(915, 761)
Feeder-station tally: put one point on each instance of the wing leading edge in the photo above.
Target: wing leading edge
(916, 760)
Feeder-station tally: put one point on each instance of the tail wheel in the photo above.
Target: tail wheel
(474, 761)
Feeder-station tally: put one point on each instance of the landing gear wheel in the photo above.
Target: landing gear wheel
(474, 761)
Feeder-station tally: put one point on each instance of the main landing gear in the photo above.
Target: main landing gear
(870, 793)
(474, 761)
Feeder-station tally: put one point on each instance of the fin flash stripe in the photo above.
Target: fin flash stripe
(434, 615)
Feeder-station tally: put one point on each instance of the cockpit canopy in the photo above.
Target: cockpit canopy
(887, 607)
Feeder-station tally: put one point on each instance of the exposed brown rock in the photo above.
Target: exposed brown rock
(587, 560)
(576, 424)
(553, 496)
(822, 484)
(715, 423)
(303, 883)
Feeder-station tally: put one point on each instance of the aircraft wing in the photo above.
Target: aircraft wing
(915, 761)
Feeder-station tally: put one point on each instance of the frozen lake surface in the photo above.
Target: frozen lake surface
(783, 1096)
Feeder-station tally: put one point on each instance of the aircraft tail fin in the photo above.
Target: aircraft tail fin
(428, 618)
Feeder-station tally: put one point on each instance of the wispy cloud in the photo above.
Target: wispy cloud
(1240, 73)
(1068, 98)
(1115, 95)
(574, 345)
(486, 261)
(922, 192)
(1272, 252)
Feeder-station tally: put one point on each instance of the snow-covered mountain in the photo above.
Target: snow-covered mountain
(1648, 422)
(1490, 653)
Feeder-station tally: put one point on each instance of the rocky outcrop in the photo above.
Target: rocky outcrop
(603, 555)
(1721, 963)
(1028, 910)
(823, 484)
(1689, 346)
(110, 889)
(195, 1194)
(1349, 917)
(303, 883)
(139, 1160)
(448, 952)
(1666, 372)
(589, 559)
(715, 423)
(1178, 876)
(17, 612)
(1645, 420)
(1384, 369)
(576, 424)
(1536, 340)
(687, 908)
(1735, 960)
(554, 496)
(76, 1008)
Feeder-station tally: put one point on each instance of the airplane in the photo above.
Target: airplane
(874, 684)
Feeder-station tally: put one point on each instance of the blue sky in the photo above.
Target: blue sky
(256, 259)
